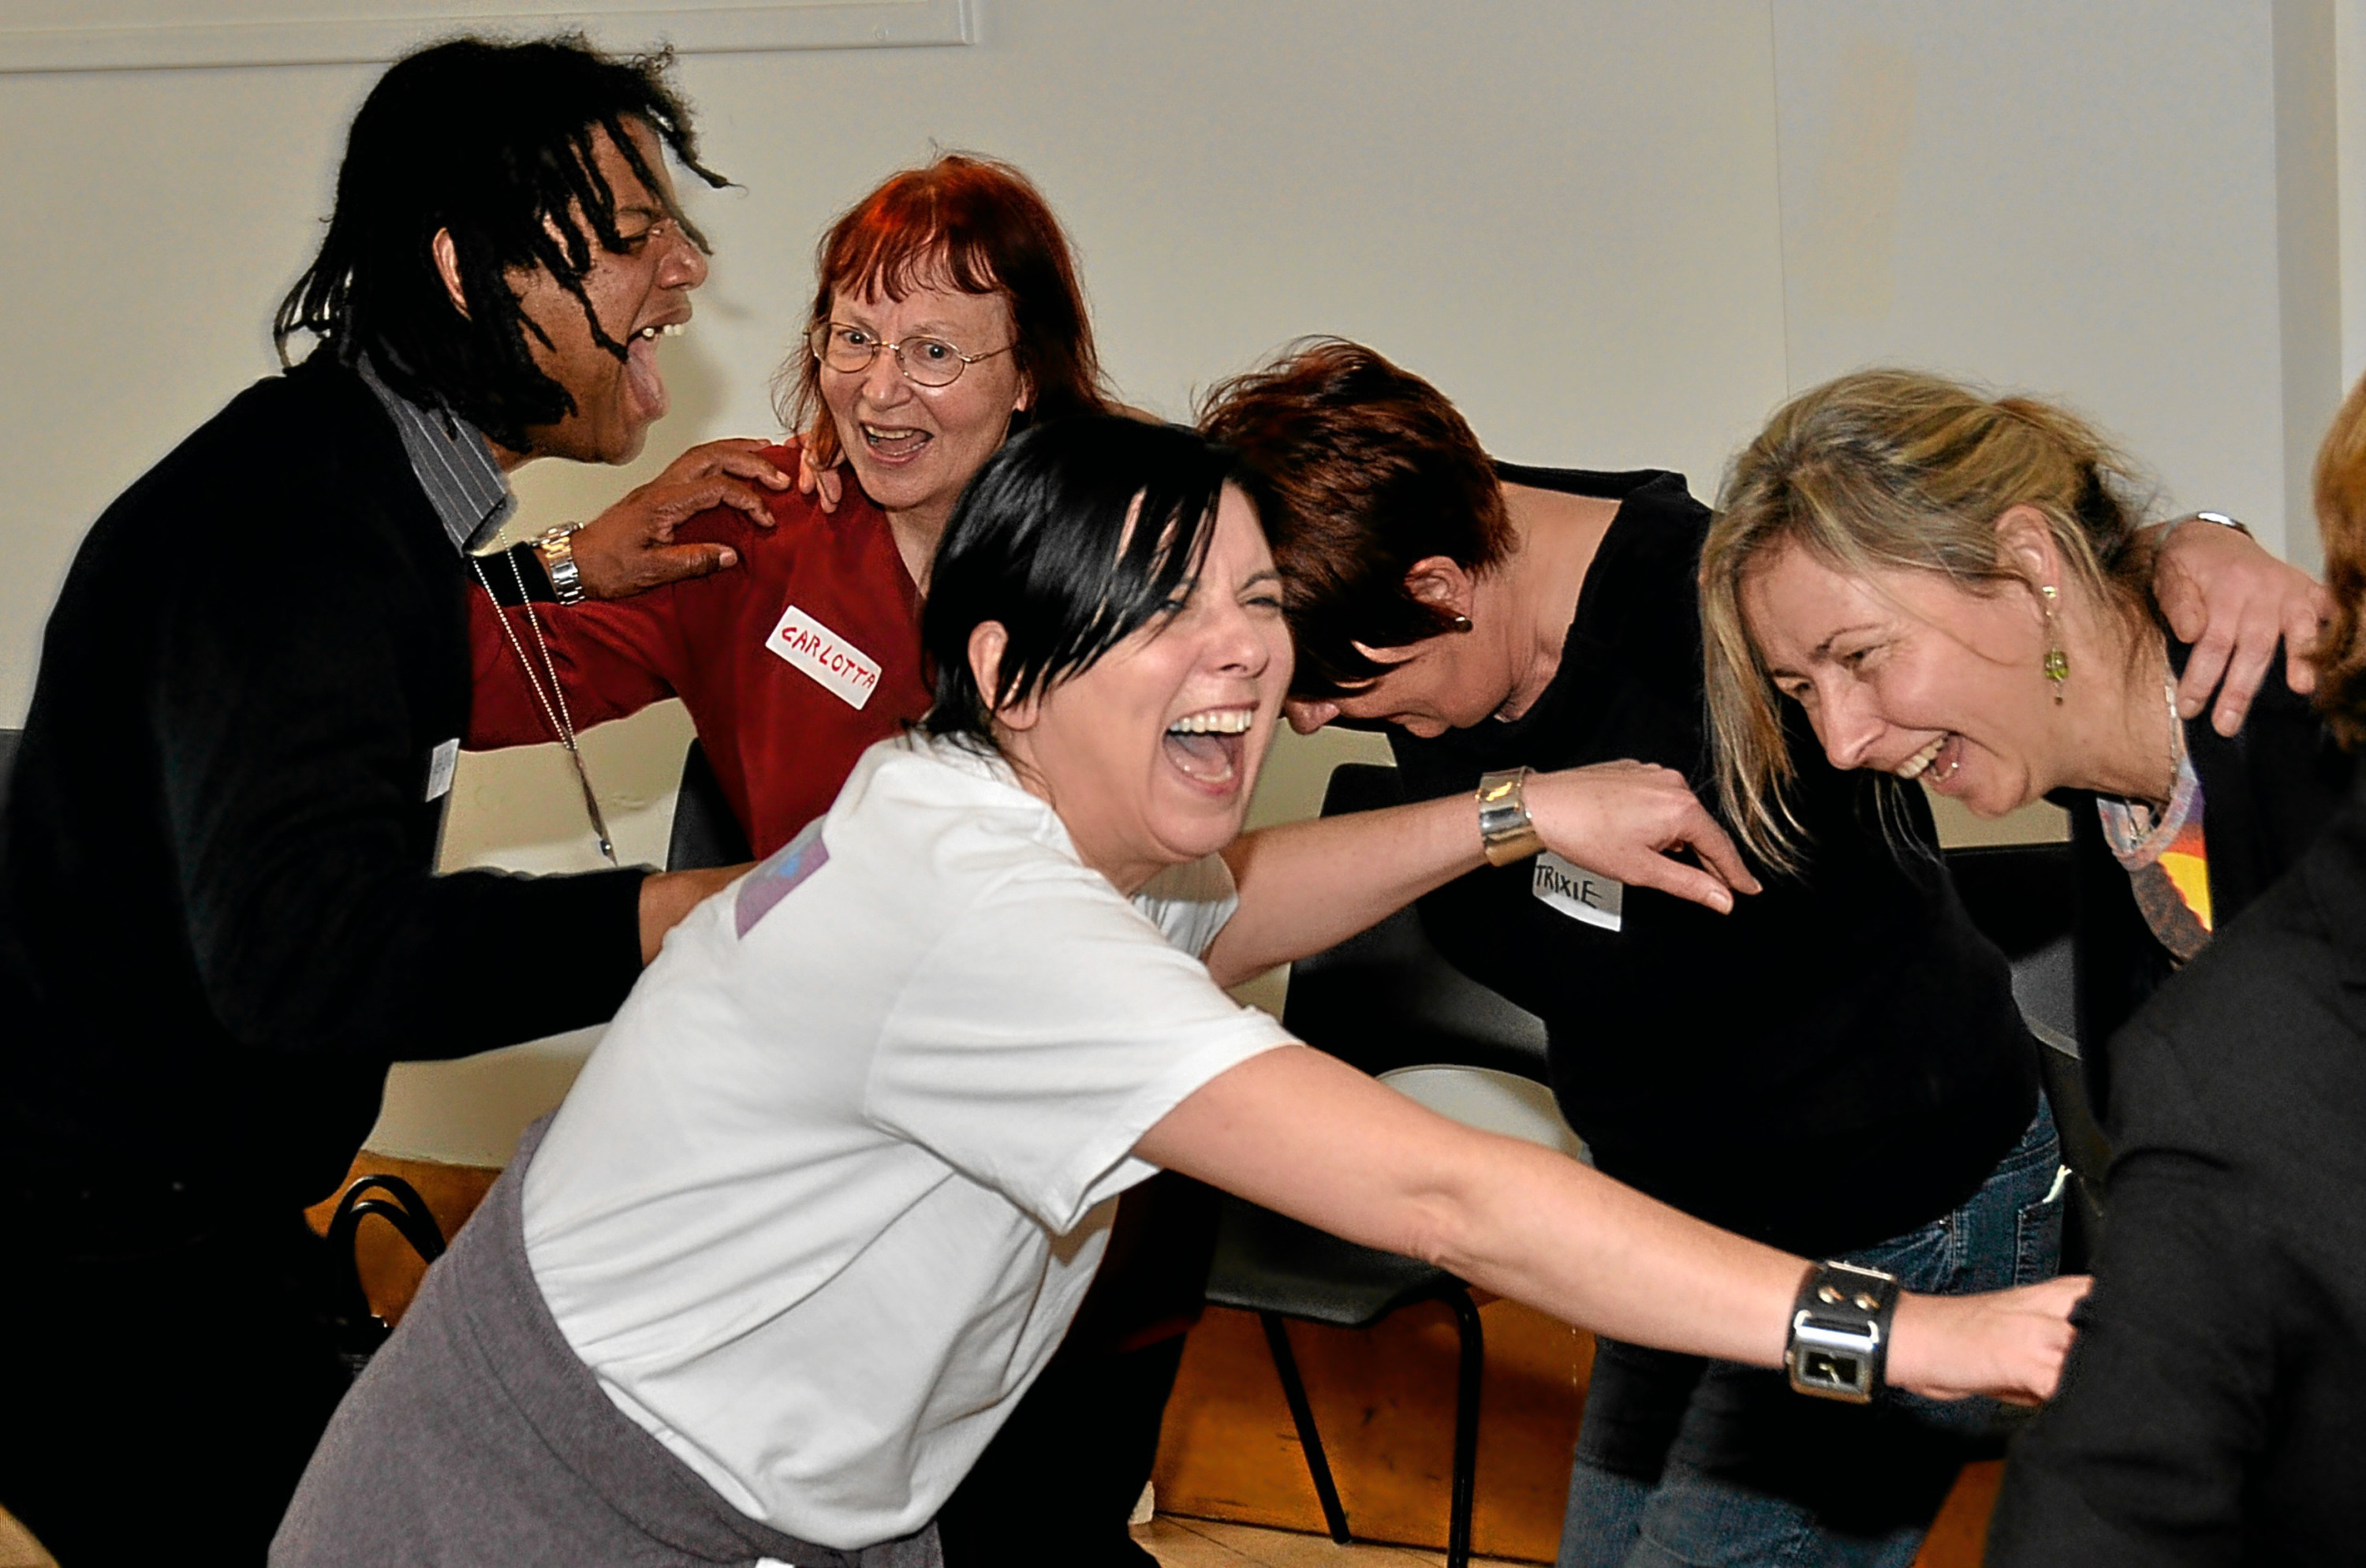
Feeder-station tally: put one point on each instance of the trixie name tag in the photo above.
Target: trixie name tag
(1580, 894)
(829, 658)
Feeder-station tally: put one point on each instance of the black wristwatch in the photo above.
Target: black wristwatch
(1838, 1344)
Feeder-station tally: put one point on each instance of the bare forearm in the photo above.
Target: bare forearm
(1299, 1132)
(1528, 1223)
(1307, 885)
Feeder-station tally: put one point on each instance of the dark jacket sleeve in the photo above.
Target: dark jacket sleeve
(2144, 1456)
(294, 726)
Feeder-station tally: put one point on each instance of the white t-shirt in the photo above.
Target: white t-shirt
(827, 1194)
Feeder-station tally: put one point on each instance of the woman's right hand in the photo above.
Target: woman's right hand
(2007, 1345)
(1626, 819)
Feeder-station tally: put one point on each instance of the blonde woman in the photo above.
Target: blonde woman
(1955, 589)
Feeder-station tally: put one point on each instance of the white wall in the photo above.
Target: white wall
(1618, 234)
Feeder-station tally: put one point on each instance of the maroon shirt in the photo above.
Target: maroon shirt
(792, 663)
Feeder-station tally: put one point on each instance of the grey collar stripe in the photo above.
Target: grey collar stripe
(453, 464)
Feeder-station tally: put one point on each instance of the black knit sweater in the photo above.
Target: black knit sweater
(220, 919)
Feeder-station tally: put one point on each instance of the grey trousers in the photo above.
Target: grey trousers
(476, 1436)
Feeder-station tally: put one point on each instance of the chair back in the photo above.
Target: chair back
(706, 834)
(1388, 999)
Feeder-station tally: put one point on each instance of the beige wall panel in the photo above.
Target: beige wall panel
(2076, 198)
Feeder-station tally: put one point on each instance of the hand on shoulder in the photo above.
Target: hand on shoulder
(632, 546)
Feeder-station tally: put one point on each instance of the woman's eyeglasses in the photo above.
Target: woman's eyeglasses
(925, 361)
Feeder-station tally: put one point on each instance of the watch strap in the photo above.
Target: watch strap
(557, 547)
(2222, 520)
(1839, 1342)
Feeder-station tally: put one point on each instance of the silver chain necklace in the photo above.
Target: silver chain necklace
(2140, 812)
(553, 699)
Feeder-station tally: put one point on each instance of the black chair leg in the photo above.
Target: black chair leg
(1301, 1413)
(1466, 1428)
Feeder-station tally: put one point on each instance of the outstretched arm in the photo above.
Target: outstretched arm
(1302, 1132)
(2220, 590)
(1305, 885)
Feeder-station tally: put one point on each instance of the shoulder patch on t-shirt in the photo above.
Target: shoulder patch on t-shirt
(778, 876)
(848, 674)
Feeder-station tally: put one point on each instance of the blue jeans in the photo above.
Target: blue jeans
(1691, 1463)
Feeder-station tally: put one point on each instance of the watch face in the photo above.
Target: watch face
(1833, 1370)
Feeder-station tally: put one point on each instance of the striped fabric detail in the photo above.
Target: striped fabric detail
(454, 463)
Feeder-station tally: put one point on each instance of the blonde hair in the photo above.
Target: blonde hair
(1886, 469)
(2340, 654)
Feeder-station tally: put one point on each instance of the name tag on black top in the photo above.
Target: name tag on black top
(1580, 894)
(442, 763)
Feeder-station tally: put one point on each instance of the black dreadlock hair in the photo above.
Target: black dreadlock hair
(498, 143)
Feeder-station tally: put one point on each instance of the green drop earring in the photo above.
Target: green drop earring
(2058, 663)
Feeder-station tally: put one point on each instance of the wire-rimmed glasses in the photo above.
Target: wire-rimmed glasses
(924, 361)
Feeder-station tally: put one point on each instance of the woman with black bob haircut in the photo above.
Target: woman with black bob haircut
(830, 1189)
(1029, 551)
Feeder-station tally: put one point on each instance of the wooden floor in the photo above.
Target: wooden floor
(1213, 1543)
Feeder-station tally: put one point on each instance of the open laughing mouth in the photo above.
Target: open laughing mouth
(895, 442)
(1936, 763)
(641, 366)
(1209, 747)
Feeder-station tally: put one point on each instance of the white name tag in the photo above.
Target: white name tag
(829, 658)
(1580, 894)
(441, 764)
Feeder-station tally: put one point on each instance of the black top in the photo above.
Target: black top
(2265, 795)
(1834, 1063)
(2210, 1408)
(218, 916)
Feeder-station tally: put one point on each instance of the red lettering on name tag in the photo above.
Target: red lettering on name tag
(845, 669)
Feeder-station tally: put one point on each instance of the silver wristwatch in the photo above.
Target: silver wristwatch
(2222, 520)
(557, 547)
(1506, 834)
(1838, 1344)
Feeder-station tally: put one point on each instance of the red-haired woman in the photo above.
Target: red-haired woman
(947, 314)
